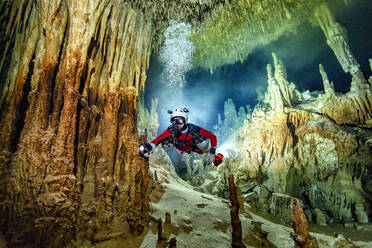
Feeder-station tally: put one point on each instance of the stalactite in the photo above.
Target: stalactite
(239, 30)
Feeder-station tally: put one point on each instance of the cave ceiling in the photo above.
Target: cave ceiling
(225, 32)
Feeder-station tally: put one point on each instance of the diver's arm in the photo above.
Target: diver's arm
(210, 136)
(160, 138)
(147, 149)
(213, 139)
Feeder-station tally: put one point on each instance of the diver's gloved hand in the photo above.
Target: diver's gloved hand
(212, 152)
(146, 149)
(211, 158)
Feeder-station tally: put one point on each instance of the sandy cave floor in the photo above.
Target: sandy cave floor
(203, 220)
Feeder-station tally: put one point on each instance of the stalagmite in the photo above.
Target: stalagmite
(280, 92)
(328, 86)
(160, 229)
(301, 235)
(172, 243)
(273, 96)
(303, 147)
(167, 218)
(234, 212)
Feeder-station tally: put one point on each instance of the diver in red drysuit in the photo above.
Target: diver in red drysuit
(186, 137)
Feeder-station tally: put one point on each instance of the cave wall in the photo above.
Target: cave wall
(68, 120)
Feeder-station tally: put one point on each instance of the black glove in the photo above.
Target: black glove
(145, 150)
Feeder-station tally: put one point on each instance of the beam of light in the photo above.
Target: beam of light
(229, 148)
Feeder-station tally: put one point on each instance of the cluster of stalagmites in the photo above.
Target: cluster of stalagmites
(315, 148)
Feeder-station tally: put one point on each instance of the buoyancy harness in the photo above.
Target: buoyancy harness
(174, 140)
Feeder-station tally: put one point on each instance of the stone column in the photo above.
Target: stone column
(69, 166)
(337, 39)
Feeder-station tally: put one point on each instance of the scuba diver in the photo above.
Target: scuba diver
(186, 137)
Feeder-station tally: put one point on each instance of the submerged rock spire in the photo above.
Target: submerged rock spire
(280, 92)
(328, 86)
(273, 95)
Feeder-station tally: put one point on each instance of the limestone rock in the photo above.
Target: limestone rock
(234, 212)
(360, 213)
(231, 123)
(281, 205)
(263, 196)
(273, 96)
(231, 33)
(69, 150)
(319, 217)
(328, 86)
(301, 235)
(148, 123)
(336, 36)
(280, 92)
(302, 150)
(277, 173)
(341, 242)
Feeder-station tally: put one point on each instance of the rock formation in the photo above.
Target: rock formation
(301, 235)
(67, 124)
(329, 89)
(148, 123)
(294, 148)
(234, 213)
(337, 39)
(72, 73)
(232, 31)
(280, 92)
(232, 121)
(353, 108)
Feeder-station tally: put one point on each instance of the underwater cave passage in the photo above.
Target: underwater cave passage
(284, 88)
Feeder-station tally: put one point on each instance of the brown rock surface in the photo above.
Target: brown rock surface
(234, 212)
(68, 165)
(301, 235)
